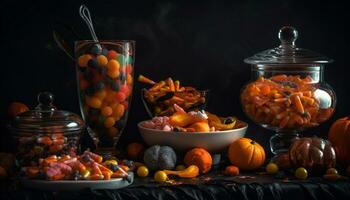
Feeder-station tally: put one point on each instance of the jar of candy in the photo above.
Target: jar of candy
(105, 74)
(45, 131)
(287, 92)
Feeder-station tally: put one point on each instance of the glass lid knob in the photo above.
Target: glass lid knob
(45, 100)
(288, 35)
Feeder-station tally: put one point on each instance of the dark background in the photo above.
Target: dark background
(201, 43)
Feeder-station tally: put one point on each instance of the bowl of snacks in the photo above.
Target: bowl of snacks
(185, 130)
(160, 98)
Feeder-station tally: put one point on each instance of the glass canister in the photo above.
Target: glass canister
(45, 131)
(287, 92)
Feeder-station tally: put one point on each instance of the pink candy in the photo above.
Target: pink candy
(159, 123)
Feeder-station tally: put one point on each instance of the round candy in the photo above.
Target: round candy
(332, 171)
(93, 102)
(99, 86)
(160, 176)
(120, 96)
(109, 122)
(125, 89)
(94, 111)
(142, 171)
(118, 111)
(121, 59)
(107, 111)
(93, 63)
(271, 168)
(115, 86)
(102, 60)
(101, 94)
(129, 79)
(129, 69)
(84, 59)
(113, 68)
(112, 54)
(301, 173)
(104, 51)
(90, 90)
(101, 119)
(96, 49)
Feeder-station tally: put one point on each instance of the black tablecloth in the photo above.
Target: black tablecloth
(213, 186)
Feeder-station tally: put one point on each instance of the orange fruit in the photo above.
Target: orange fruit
(199, 157)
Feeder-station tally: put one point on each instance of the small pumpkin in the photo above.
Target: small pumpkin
(339, 136)
(160, 157)
(246, 154)
(16, 108)
(199, 157)
(313, 153)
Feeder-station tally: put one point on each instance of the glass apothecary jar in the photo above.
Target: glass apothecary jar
(45, 131)
(287, 92)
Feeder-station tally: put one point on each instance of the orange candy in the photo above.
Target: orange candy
(84, 59)
(102, 60)
(113, 68)
(231, 170)
(118, 111)
(109, 122)
(93, 102)
(107, 111)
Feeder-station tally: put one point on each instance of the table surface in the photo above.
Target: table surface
(210, 186)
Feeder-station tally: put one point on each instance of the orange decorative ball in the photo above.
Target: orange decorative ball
(339, 136)
(246, 154)
(231, 170)
(199, 157)
(135, 151)
(16, 108)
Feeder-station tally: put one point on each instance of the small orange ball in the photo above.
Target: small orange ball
(112, 132)
(118, 111)
(231, 170)
(16, 108)
(113, 68)
(102, 60)
(84, 59)
(135, 151)
(107, 111)
(93, 102)
(109, 122)
(199, 157)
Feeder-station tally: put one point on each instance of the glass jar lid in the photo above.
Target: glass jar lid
(46, 118)
(287, 52)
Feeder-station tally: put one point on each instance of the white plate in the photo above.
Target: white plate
(214, 142)
(66, 185)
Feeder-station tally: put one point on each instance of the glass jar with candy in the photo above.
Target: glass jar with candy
(287, 92)
(105, 83)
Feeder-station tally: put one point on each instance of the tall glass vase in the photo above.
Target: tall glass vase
(105, 84)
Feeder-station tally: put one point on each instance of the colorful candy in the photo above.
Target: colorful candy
(87, 166)
(106, 81)
(163, 95)
(285, 102)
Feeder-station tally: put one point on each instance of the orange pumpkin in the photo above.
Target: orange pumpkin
(199, 157)
(339, 136)
(246, 154)
(16, 108)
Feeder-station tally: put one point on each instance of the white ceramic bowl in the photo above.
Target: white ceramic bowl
(214, 142)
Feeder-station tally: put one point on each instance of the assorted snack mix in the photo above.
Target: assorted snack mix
(161, 97)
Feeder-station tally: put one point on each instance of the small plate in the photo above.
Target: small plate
(66, 185)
